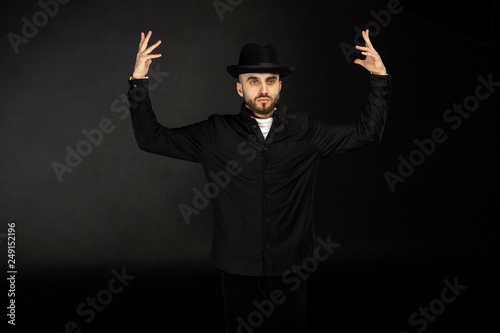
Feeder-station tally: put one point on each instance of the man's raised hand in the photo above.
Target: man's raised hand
(144, 58)
(372, 62)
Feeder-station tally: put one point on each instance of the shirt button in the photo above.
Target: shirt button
(254, 126)
(267, 195)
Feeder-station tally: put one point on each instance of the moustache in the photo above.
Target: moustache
(267, 97)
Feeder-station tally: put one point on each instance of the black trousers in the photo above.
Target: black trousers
(264, 304)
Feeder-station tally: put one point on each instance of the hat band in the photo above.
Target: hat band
(261, 64)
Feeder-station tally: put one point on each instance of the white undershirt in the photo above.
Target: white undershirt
(264, 124)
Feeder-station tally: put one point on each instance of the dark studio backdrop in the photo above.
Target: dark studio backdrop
(100, 242)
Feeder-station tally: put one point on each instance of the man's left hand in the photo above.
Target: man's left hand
(372, 62)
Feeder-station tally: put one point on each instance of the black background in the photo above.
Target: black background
(118, 209)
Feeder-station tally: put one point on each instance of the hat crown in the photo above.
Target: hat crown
(255, 58)
(254, 54)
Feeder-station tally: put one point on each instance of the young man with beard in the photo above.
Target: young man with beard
(263, 227)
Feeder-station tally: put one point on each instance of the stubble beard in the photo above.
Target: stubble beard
(260, 108)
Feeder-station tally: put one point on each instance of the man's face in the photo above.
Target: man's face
(261, 92)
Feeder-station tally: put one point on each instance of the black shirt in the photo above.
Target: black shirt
(261, 189)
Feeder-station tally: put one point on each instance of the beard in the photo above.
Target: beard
(262, 108)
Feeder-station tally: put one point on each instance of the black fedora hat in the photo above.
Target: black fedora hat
(255, 58)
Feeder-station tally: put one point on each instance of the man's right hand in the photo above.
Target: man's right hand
(144, 59)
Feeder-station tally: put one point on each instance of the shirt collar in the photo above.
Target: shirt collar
(279, 113)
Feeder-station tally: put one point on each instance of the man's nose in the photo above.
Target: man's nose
(263, 89)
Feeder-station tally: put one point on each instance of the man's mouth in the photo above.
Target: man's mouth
(263, 100)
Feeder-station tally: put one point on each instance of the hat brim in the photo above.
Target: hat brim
(236, 70)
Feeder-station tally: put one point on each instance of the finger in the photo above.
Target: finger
(371, 55)
(152, 47)
(146, 41)
(366, 37)
(364, 48)
(142, 40)
(151, 56)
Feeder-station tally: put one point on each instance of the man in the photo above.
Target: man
(264, 160)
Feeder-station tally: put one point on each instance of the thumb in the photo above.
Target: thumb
(359, 62)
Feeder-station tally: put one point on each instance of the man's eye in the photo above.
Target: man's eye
(253, 82)
(270, 81)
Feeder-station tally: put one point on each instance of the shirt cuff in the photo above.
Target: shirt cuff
(380, 80)
(144, 82)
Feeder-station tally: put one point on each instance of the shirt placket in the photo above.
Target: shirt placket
(266, 199)
(267, 226)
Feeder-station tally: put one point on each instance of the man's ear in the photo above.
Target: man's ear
(239, 88)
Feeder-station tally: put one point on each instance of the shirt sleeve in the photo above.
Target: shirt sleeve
(336, 138)
(190, 143)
